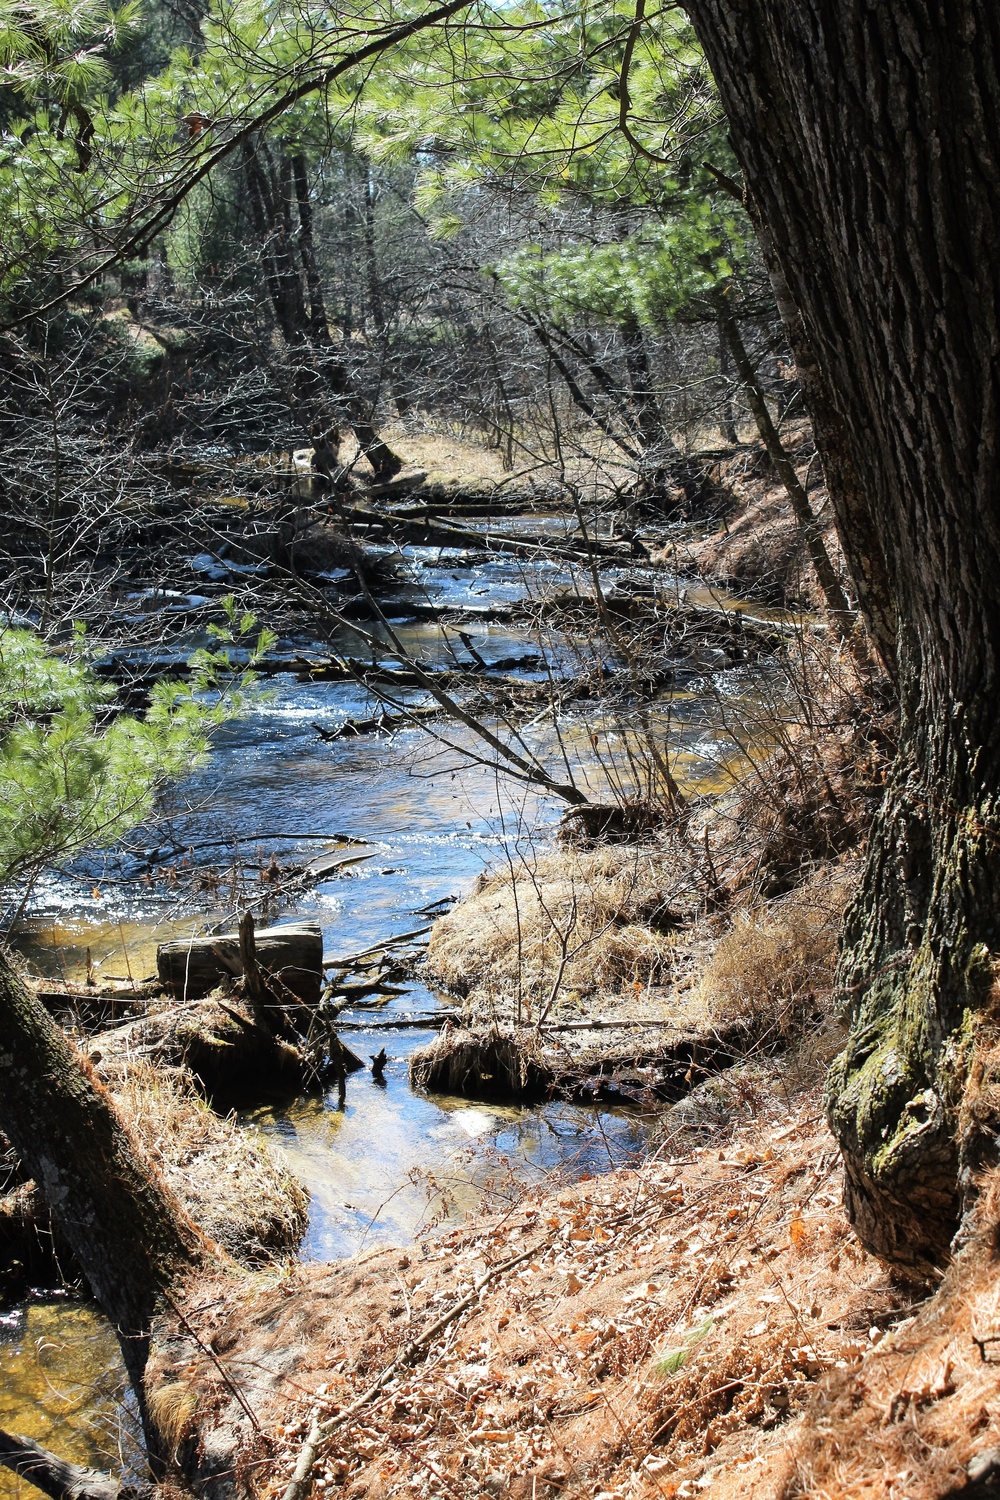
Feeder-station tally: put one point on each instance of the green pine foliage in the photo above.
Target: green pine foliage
(74, 774)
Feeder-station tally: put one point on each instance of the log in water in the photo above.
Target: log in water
(293, 954)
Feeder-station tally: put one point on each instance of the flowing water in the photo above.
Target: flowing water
(391, 1163)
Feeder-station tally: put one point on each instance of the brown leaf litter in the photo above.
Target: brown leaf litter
(707, 1324)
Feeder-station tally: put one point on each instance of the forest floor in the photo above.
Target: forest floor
(704, 1325)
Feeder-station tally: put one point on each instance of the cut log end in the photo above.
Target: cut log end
(293, 955)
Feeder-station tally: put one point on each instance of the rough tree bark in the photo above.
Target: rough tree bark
(130, 1235)
(869, 136)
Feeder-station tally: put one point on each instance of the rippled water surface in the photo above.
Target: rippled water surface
(62, 1382)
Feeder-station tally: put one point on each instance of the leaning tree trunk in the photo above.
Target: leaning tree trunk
(129, 1233)
(869, 137)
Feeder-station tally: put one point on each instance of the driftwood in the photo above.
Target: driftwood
(376, 674)
(381, 723)
(348, 962)
(349, 993)
(409, 1022)
(62, 1480)
(292, 955)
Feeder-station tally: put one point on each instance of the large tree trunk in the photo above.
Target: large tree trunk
(869, 138)
(129, 1233)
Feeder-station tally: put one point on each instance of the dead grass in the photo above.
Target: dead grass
(777, 960)
(597, 922)
(216, 1039)
(490, 1065)
(226, 1175)
(705, 1325)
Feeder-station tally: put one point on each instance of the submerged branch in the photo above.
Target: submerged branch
(60, 1479)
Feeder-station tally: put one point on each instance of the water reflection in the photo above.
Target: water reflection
(393, 1163)
(62, 1382)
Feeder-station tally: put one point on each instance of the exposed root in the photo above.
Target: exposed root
(483, 1065)
(216, 1039)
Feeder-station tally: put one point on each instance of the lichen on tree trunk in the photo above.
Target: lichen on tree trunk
(916, 974)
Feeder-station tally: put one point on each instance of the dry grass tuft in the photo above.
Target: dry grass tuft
(483, 1064)
(596, 922)
(172, 1409)
(774, 964)
(225, 1174)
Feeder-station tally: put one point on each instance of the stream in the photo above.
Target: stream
(392, 1163)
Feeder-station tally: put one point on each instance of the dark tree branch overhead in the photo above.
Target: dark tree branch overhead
(166, 206)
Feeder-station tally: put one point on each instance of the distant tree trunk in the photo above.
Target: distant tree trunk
(728, 422)
(664, 462)
(869, 136)
(131, 1236)
(826, 574)
(288, 257)
(649, 418)
(648, 444)
(376, 300)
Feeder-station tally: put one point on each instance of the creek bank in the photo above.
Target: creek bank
(760, 551)
(639, 1065)
(643, 1333)
(627, 971)
(228, 1177)
(171, 1060)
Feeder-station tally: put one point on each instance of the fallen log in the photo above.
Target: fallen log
(62, 1480)
(610, 1025)
(407, 1023)
(375, 674)
(348, 962)
(350, 992)
(292, 955)
(382, 723)
(435, 533)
